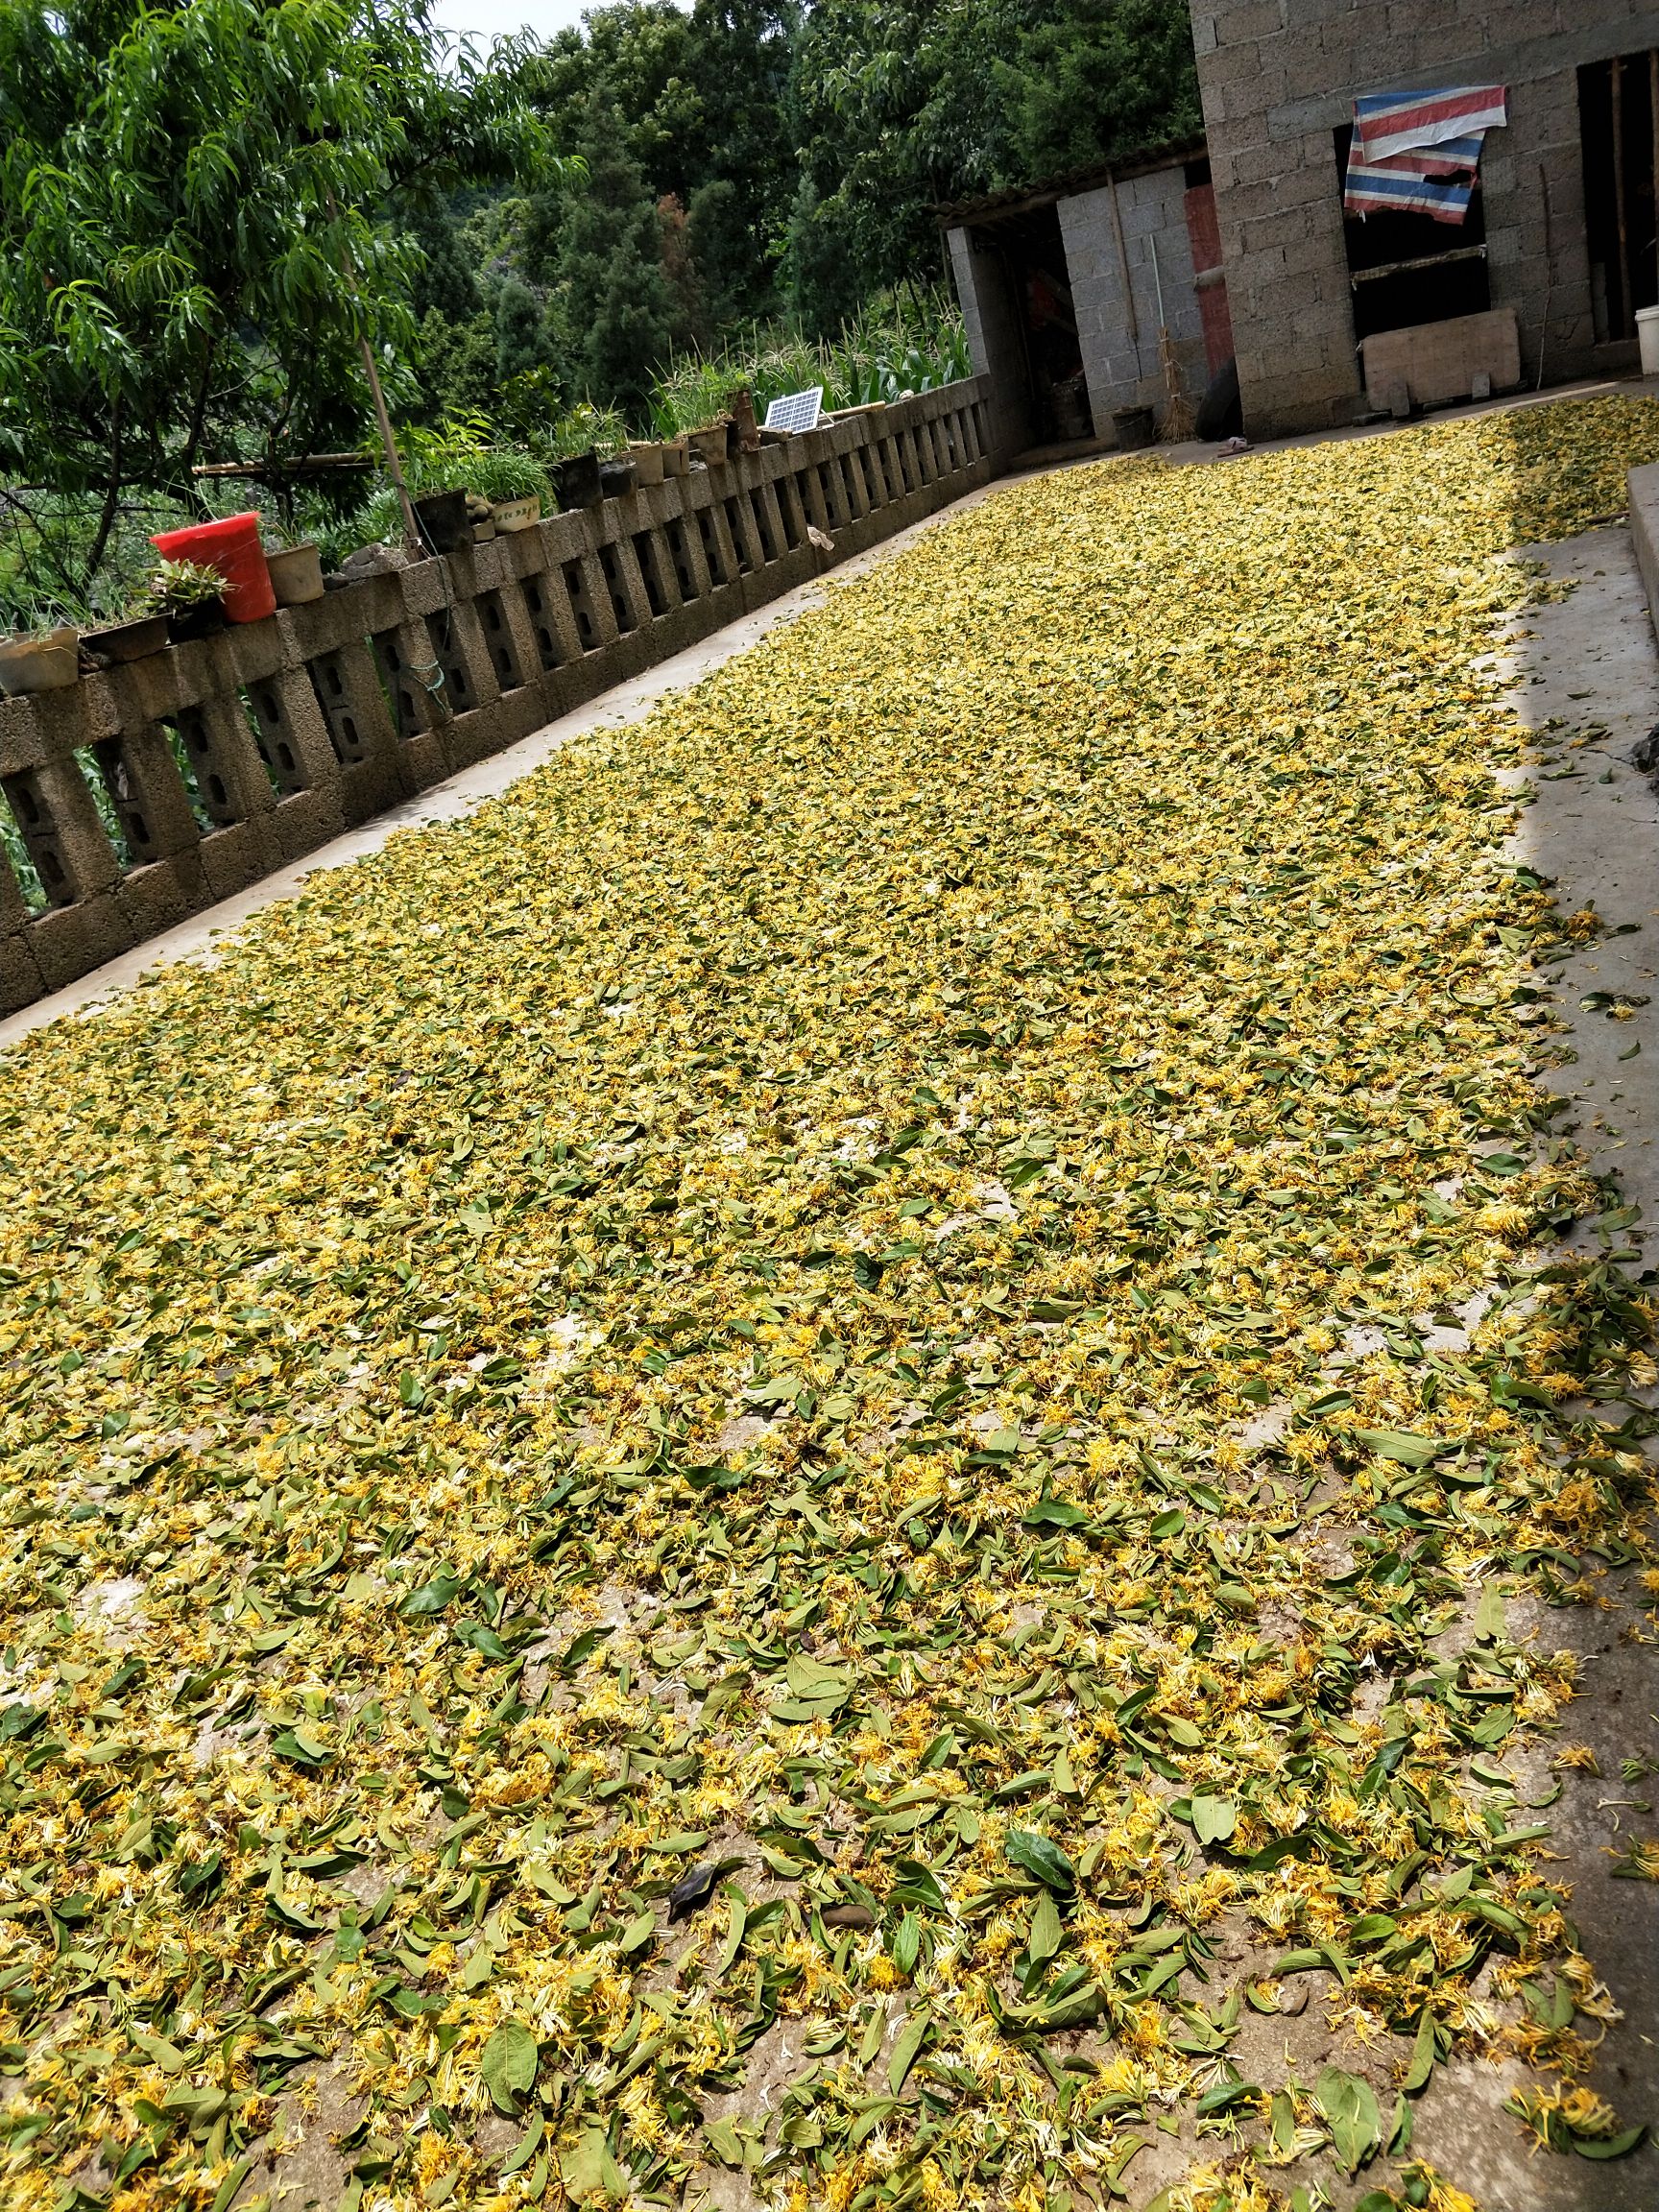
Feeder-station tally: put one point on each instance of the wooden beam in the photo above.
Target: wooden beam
(276, 472)
(1422, 261)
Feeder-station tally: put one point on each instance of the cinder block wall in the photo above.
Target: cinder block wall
(1122, 369)
(1277, 78)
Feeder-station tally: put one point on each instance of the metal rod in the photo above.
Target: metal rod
(1653, 110)
(1625, 323)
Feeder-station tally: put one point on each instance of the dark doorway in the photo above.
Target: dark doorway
(1033, 257)
(1617, 101)
(1403, 269)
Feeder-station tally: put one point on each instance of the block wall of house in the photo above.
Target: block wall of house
(1277, 77)
(1120, 357)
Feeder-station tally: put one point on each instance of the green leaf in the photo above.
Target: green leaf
(1609, 2145)
(430, 1597)
(1054, 1513)
(1045, 1934)
(917, 2031)
(590, 2170)
(509, 2063)
(1423, 2055)
(1490, 1619)
(906, 1943)
(1036, 1855)
(638, 1931)
(1351, 2114)
(737, 1920)
(1213, 1818)
(302, 1747)
(1402, 1445)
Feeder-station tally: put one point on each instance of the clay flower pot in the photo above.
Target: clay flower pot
(676, 456)
(648, 463)
(296, 575)
(126, 641)
(444, 521)
(517, 513)
(49, 662)
(712, 443)
(577, 481)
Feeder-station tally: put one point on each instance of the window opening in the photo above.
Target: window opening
(1405, 269)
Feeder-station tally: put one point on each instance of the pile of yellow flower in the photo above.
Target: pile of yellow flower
(745, 1475)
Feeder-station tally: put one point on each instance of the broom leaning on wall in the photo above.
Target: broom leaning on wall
(1179, 421)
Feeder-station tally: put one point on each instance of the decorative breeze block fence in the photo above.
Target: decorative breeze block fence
(152, 790)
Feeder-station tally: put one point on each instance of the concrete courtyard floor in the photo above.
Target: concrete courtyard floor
(1586, 681)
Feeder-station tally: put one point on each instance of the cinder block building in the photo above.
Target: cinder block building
(1331, 315)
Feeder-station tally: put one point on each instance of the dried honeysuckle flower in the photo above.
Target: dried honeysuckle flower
(835, 1295)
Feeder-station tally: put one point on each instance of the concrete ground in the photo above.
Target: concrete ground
(1587, 682)
(1586, 671)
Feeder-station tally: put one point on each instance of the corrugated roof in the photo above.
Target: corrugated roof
(1019, 199)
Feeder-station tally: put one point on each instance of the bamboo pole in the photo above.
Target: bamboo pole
(412, 540)
(1625, 323)
(1123, 271)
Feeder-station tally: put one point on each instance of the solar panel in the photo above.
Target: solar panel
(794, 410)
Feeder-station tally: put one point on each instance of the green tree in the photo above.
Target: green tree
(192, 237)
(1092, 78)
(597, 245)
(521, 331)
(899, 104)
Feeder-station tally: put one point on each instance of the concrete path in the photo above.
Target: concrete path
(1587, 681)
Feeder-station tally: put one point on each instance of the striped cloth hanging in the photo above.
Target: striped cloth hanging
(1416, 153)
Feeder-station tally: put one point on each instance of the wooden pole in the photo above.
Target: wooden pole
(1123, 271)
(1653, 109)
(1625, 323)
(411, 527)
(412, 542)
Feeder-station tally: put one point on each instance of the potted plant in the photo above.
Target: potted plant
(142, 630)
(42, 660)
(618, 476)
(649, 460)
(743, 422)
(713, 441)
(582, 441)
(443, 520)
(192, 597)
(517, 513)
(295, 567)
(675, 455)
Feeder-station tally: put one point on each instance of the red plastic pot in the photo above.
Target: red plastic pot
(233, 547)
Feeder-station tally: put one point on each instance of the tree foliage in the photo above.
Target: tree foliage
(192, 238)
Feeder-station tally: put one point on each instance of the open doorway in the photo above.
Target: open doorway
(1618, 127)
(1405, 269)
(1038, 289)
